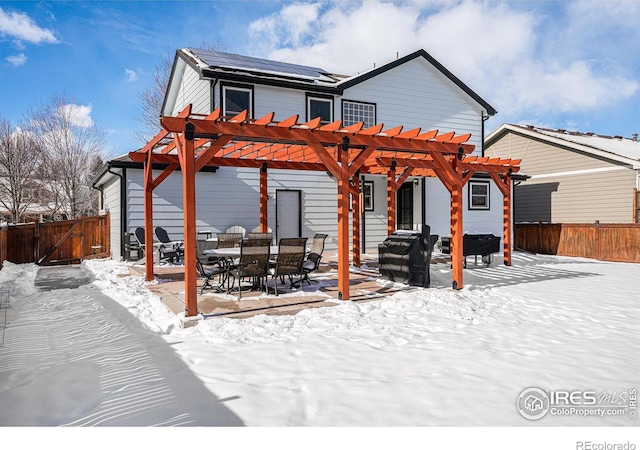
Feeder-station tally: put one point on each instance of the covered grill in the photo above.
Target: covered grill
(405, 257)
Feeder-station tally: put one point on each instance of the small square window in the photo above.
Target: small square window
(320, 107)
(236, 100)
(478, 195)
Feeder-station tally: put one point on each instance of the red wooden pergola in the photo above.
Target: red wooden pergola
(191, 142)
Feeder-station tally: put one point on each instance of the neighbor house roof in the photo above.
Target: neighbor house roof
(616, 148)
(214, 64)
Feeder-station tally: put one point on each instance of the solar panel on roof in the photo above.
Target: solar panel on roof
(234, 61)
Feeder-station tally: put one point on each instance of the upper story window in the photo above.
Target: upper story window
(354, 112)
(320, 107)
(478, 195)
(236, 99)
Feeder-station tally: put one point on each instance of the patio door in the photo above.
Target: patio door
(288, 214)
(404, 207)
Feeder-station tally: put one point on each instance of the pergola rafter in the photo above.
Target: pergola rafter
(191, 142)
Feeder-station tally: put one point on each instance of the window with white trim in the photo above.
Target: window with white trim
(320, 107)
(354, 112)
(478, 195)
(236, 99)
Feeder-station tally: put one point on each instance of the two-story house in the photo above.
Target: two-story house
(414, 91)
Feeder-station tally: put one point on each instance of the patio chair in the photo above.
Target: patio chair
(229, 240)
(237, 229)
(289, 261)
(253, 263)
(312, 263)
(166, 254)
(210, 267)
(163, 237)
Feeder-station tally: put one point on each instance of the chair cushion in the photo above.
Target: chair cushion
(308, 265)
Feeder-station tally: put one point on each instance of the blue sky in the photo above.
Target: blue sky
(560, 64)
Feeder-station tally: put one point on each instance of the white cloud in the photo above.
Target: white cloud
(78, 115)
(516, 56)
(17, 60)
(132, 75)
(20, 26)
(562, 88)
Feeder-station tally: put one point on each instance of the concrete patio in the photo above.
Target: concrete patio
(169, 287)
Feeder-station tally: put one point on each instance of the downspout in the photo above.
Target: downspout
(484, 119)
(213, 94)
(423, 194)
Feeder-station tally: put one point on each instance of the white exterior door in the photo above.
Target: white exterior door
(288, 214)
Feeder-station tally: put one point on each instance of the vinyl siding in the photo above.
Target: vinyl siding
(416, 94)
(195, 91)
(567, 185)
(230, 197)
(112, 203)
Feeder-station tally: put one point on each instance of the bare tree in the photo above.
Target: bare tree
(72, 145)
(20, 158)
(152, 98)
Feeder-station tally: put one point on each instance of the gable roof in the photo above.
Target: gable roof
(215, 64)
(614, 148)
(352, 81)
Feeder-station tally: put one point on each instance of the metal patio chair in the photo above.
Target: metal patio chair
(166, 254)
(312, 263)
(253, 263)
(289, 261)
(163, 237)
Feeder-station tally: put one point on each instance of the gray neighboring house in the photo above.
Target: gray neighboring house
(574, 177)
(413, 91)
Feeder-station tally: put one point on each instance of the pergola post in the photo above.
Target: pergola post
(506, 225)
(456, 236)
(264, 197)
(148, 217)
(391, 198)
(343, 221)
(504, 184)
(189, 202)
(355, 219)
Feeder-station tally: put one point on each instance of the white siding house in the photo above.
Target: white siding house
(413, 91)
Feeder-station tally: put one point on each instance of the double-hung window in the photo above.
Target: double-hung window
(354, 112)
(236, 99)
(478, 195)
(320, 107)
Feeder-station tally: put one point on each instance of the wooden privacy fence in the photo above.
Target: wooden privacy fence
(64, 242)
(604, 241)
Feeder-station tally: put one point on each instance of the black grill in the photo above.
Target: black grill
(475, 244)
(405, 257)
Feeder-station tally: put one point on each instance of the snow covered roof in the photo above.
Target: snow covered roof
(618, 148)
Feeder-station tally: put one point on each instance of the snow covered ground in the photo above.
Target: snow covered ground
(431, 358)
